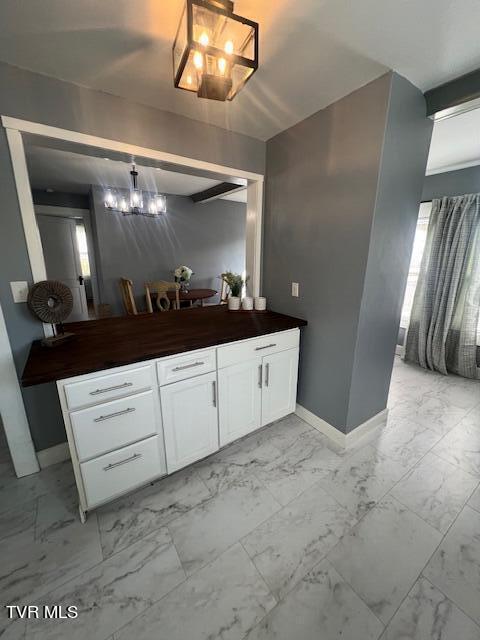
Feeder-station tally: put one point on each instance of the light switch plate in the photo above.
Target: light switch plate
(295, 289)
(19, 291)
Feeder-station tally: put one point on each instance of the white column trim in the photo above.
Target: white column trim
(13, 412)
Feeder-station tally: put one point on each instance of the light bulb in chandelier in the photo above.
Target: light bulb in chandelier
(198, 60)
(110, 200)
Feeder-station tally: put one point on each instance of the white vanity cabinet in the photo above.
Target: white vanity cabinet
(256, 389)
(239, 399)
(279, 388)
(133, 424)
(190, 420)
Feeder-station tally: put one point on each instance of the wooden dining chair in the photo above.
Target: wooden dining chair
(126, 287)
(161, 287)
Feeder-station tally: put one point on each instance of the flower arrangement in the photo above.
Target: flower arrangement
(182, 275)
(235, 282)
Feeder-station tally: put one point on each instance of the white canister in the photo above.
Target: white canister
(247, 303)
(260, 304)
(234, 303)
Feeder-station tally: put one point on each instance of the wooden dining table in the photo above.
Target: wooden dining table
(192, 296)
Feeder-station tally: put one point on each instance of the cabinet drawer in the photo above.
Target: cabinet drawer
(247, 349)
(115, 473)
(111, 425)
(108, 387)
(186, 366)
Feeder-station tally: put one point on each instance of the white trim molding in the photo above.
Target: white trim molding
(12, 411)
(53, 455)
(67, 135)
(345, 440)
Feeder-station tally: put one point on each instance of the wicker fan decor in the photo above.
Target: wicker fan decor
(52, 302)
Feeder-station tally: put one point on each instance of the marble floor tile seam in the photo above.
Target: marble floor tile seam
(424, 577)
(445, 459)
(465, 504)
(475, 476)
(419, 574)
(190, 577)
(98, 564)
(277, 600)
(295, 585)
(418, 464)
(237, 541)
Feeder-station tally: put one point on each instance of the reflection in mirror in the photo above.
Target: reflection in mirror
(128, 260)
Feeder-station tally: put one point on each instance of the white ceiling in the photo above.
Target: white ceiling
(455, 143)
(70, 172)
(312, 52)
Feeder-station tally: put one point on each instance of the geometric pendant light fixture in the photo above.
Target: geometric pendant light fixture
(215, 50)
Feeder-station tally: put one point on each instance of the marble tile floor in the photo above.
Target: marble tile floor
(282, 535)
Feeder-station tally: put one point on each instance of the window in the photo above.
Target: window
(416, 261)
(83, 250)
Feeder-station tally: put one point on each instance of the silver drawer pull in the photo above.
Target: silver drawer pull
(214, 391)
(118, 386)
(135, 456)
(188, 366)
(114, 415)
(267, 346)
(267, 374)
(260, 367)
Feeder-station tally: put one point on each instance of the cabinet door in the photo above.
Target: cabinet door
(280, 372)
(190, 420)
(239, 399)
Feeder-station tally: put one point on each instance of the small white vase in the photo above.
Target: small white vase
(234, 303)
(247, 303)
(260, 304)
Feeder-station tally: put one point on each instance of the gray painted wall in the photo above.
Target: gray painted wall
(60, 199)
(402, 171)
(209, 238)
(452, 183)
(329, 180)
(42, 99)
(321, 185)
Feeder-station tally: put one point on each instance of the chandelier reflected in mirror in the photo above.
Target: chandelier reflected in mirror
(215, 51)
(135, 203)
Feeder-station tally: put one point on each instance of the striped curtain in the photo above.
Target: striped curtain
(442, 334)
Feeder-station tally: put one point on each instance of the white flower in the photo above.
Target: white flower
(183, 273)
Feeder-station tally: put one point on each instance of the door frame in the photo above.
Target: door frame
(14, 128)
(77, 214)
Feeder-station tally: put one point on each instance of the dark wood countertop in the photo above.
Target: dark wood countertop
(113, 342)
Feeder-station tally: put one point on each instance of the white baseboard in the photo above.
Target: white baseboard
(367, 427)
(321, 425)
(344, 440)
(53, 455)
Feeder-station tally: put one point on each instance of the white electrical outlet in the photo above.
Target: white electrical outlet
(19, 291)
(295, 289)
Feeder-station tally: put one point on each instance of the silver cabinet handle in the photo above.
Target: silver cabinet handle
(188, 366)
(114, 415)
(260, 370)
(118, 386)
(267, 346)
(214, 388)
(109, 467)
(267, 374)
